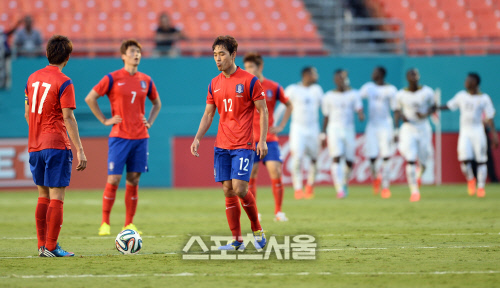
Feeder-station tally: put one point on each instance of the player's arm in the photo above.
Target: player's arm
(27, 112)
(261, 106)
(397, 118)
(153, 114)
(493, 132)
(91, 100)
(72, 127)
(284, 120)
(205, 123)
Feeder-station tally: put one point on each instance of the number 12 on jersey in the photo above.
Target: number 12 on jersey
(228, 102)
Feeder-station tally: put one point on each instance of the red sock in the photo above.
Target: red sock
(233, 213)
(41, 219)
(131, 198)
(251, 208)
(278, 194)
(108, 199)
(54, 223)
(252, 187)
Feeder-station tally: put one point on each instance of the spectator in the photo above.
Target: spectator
(5, 53)
(28, 41)
(166, 36)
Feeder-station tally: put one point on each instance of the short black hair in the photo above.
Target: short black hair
(382, 70)
(475, 76)
(338, 71)
(227, 42)
(253, 57)
(411, 69)
(307, 69)
(58, 49)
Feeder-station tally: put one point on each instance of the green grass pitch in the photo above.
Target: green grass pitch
(448, 239)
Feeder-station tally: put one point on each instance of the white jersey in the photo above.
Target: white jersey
(412, 102)
(381, 99)
(306, 103)
(472, 109)
(340, 107)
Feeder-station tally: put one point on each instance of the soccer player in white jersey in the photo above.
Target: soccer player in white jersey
(379, 130)
(475, 108)
(338, 107)
(414, 104)
(305, 97)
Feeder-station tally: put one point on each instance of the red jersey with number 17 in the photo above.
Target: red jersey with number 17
(274, 92)
(47, 92)
(234, 98)
(127, 95)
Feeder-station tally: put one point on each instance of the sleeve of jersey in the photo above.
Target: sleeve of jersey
(67, 95)
(453, 103)
(102, 87)
(281, 95)
(210, 96)
(363, 91)
(324, 106)
(358, 103)
(489, 110)
(152, 92)
(256, 91)
(26, 100)
(397, 103)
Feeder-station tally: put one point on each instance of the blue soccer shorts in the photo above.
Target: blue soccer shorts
(232, 164)
(133, 153)
(273, 153)
(51, 167)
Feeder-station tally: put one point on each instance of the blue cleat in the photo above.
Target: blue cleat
(58, 252)
(346, 191)
(233, 246)
(260, 239)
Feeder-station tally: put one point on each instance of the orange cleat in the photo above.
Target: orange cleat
(386, 193)
(376, 186)
(471, 187)
(299, 194)
(481, 193)
(415, 197)
(309, 192)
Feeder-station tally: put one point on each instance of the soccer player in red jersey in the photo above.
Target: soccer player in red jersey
(254, 64)
(49, 104)
(235, 94)
(127, 90)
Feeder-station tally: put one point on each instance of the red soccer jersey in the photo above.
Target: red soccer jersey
(127, 95)
(47, 92)
(274, 92)
(234, 98)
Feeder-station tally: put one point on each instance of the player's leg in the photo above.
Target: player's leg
(252, 184)
(131, 199)
(336, 148)
(337, 176)
(41, 216)
(408, 147)
(385, 143)
(350, 156)
(297, 147)
(275, 173)
(465, 157)
(481, 156)
(372, 152)
(312, 149)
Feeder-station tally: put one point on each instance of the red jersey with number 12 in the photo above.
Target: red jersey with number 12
(127, 95)
(234, 98)
(47, 92)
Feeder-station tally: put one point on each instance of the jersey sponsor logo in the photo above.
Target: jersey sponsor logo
(143, 84)
(269, 93)
(240, 88)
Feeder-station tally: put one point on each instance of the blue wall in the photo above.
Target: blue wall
(182, 84)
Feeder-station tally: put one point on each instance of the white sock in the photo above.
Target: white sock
(386, 174)
(296, 173)
(347, 174)
(373, 169)
(467, 170)
(311, 178)
(482, 170)
(337, 175)
(411, 177)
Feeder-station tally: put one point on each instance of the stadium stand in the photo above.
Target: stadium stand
(283, 27)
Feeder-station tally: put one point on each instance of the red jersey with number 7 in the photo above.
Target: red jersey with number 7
(47, 92)
(234, 98)
(127, 95)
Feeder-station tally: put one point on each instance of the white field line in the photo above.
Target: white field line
(188, 274)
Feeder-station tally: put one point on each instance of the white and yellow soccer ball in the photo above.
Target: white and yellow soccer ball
(128, 242)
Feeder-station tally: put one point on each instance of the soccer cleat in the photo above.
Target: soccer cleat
(132, 227)
(346, 191)
(299, 194)
(105, 229)
(376, 186)
(309, 192)
(280, 217)
(471, 187)
(386, 193)
(234, 246)
(58, 252)
(480, 193)
(340, 195)
(260, 239)
(40, 251)
(415, 197)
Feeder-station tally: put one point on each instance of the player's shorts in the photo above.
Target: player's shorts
(304, 142)
(273, 153)
(51, 167)
(342, 142)
(131, 152)
(378, 140)
(415, 142)
(472, 145)
(232, 164)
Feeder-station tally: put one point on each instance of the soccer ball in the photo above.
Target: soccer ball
(128, 242)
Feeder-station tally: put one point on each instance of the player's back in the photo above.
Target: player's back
(473, 108)
(274, 92)
(306, 101)
(380, 101)
(410, 103)
(340, 107)
(48, 91)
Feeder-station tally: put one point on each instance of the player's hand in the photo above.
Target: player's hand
(145, 121)
(113, 120)
(275, 129)
(82, 161)
(194, 147)
(494, 141)
(323, 143)
(396, 138)
(421, 115)
(262, 149)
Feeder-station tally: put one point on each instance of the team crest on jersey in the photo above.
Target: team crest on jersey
(240, 88)
(269, 93)
(143, 84)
